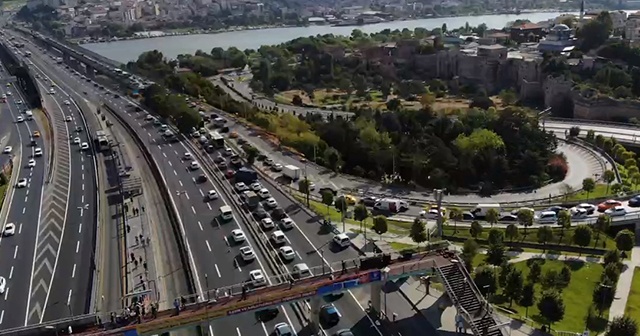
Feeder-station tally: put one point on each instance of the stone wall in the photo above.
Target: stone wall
(604, 108)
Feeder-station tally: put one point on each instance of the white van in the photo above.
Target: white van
(226, 213)
(391, 205)
(547, 217)
(342, 240)
(301, 271)
(29, 114)
(481, 209)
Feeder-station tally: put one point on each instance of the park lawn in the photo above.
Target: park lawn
(401, 246)
(633, 300)
(577, 295)
(3, 191)
(531, 236)
(599, 192)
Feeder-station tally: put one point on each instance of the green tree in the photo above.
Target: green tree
(508, 97)
(3, 179)
(535, 270)
(601, 225)
(513, 288)
(492, 216)
(525, 218)
(512, 232)
(622, 326)
(456, 215)
(527, 298)
(565, 276)
(545, 235)
(611, 257)
(485, 279)
(588, 185)
(380, 225)
(476, 229)
(591, 136)
(582, 235)
(551, 306)
(332, 157)
(469, 252)
(495, 236)
(252, 154)
(505, 270)
(304, 187)
(341, 204)
(608, 176)
(418, 233)
(496, 254)
(327, 199)
(625, 240)
(564, 221)
(361, 213)
(603, 295)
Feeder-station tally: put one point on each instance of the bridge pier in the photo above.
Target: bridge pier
(314, 316)
(90, 72)
(376, 295)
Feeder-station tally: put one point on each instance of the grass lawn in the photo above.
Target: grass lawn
(633, 300)
(3, 190)
(577, 295)
(599, 192)
(531, 236)
(401, 246)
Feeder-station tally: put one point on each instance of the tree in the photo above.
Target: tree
(505, 270)
(565, 276)
(527, 297)
(508, 97)
(341, 204)
(625, 240)
(604, 294)
(588, 185)
(513, 288)
(608, 176)
(495, 237)
(296, 100)
(622, 326)
(360, 213)
(485, 279)
(582, 235)
(525, 218)
(469, 252)
(252, 154)
(456, 215)
(418, 233)
(394, 104)
(512, 232)
(611, 257)
(564, 221)
(476, 229)
(304, 187)
(574, 131)
(535, 270)
(380, 225)
(551, 306)
(601, 225)
(332, 158)
(3, 179)
(492, 216)
(427, 100)
(496, 254)
(327, 199)
(545, 235)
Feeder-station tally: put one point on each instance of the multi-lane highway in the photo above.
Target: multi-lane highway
(25, 198)
(215, 257)
(62, 269)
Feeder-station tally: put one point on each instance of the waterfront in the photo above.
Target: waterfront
(172, 46)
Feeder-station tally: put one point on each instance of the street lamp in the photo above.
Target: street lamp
(438, 194)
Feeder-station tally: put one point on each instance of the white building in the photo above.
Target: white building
(632, 27)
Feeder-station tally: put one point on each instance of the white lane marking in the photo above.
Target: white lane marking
(6, 294)
(26, 198)
(193, 209)
(165, 155)
(80, 228)
(209, 205)
(82, 167)
(73, 272)
(174, 173)
(170, 164)
(20, 229)
(208, 246)
(77, 246)
(11, 273)
(83, 176)
(218, 271)
(180, 183)
(15, 252)
(69, 298)
(82, 199)
(1, 316)
(237, 329)
(24, 210)
(187, 195)
(201, 193)
(83, 187)
(264, 328)
(200, 225)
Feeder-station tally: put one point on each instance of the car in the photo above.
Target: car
(431, 214)
(9, 230)
(187, 156)
(77, 141)
(287, 223)
(267, 223)
(202, 178)
(342, 240)
(257, 278)
(7, 150)
(508, 218)
(36, 134)
(343, 332)
(31, 163)
(235, 160)
(329, 315)
(264, 193)
(247, 254)
(268, 161)
(227, 151)
(271, 202)
(240, 186)
(230, 173)
(37, 151)
(212, 194)
(19, 102)
(255, 186)
(20, 119)
(68, 119)
(3, 285)
(578, 213)
(367, 200)
(287, 252)
(194, 165)
(222, 165)
(66, 102)
(608, 204)
(84, 146)
(22, 183)
(278, 237)
(219, 158)
(277, 167)
(635, 201)
(238, 236)
(589, 207)
(616, 211)
(260, 212)
(9, 93)
(283, 329)
(555, 208)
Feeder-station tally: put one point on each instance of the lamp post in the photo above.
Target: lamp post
(438, 193)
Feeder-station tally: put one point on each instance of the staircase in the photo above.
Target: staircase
(468, 300)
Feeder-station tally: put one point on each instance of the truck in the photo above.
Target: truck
(291, 172)
(246, 175)
(391, 205)
(481, 209)
(250, 198)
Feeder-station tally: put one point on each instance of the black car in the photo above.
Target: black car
(555, 208)
(201, 178)
(329, 315)
(369, 200)
(635, 202)
(278, 214)
(260, 212)
(467, 215)
(116, 96)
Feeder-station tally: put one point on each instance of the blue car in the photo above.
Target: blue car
(635, 202)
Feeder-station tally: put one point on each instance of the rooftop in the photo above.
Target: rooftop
(527, 26)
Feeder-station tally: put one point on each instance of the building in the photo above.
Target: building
(559, 40)
(632, 27)
(526, 32)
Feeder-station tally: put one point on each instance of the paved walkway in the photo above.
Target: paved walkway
(624, 284)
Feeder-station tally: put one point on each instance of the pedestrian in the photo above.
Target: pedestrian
(154, 312)
(216, 294)
(244, 292)
(344, 267)
(133, 257)
(176, 305)
(183, 300)
(142, 208)
(141, 236)
(128, 228)
(145, 267)
(141, 281)
(459, 324)
(140, 259)
(135, 263)
(395, 316)
(137, 241)
(290, 283)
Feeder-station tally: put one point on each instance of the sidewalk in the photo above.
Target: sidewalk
(624, 284)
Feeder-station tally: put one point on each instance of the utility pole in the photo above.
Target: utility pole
(438, 193)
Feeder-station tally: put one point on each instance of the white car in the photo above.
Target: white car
(194, 165)
(616, 211)
(589, 207)
(283, 329)
(257, 278)
(240, 186)
(431, 214)
(77, 141)
(247, 253)
(7, 150)
(264, 193)
(19, 102)
(238, 236)
(256, 186)
(31, 163)
(228, 152)
(9, 93)
(3, 285)
(68, 119)
(37, 152)
(84, 146)
(287, 223)
(66, 102)
(277, 167)
(212, 194)
(188, 156)
(267, 223)
(287, 253)
(22, 183)
(20, 119)
(271, 202)
(9, 229)
(268, 161)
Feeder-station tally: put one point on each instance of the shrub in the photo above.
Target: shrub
(557, 167)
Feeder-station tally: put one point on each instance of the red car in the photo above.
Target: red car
(606, 205)
(230, 173)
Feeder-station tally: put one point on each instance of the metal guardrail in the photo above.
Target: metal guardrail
(606, 155)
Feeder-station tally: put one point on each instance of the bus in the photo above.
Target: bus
(216, 139)
(102, 141)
